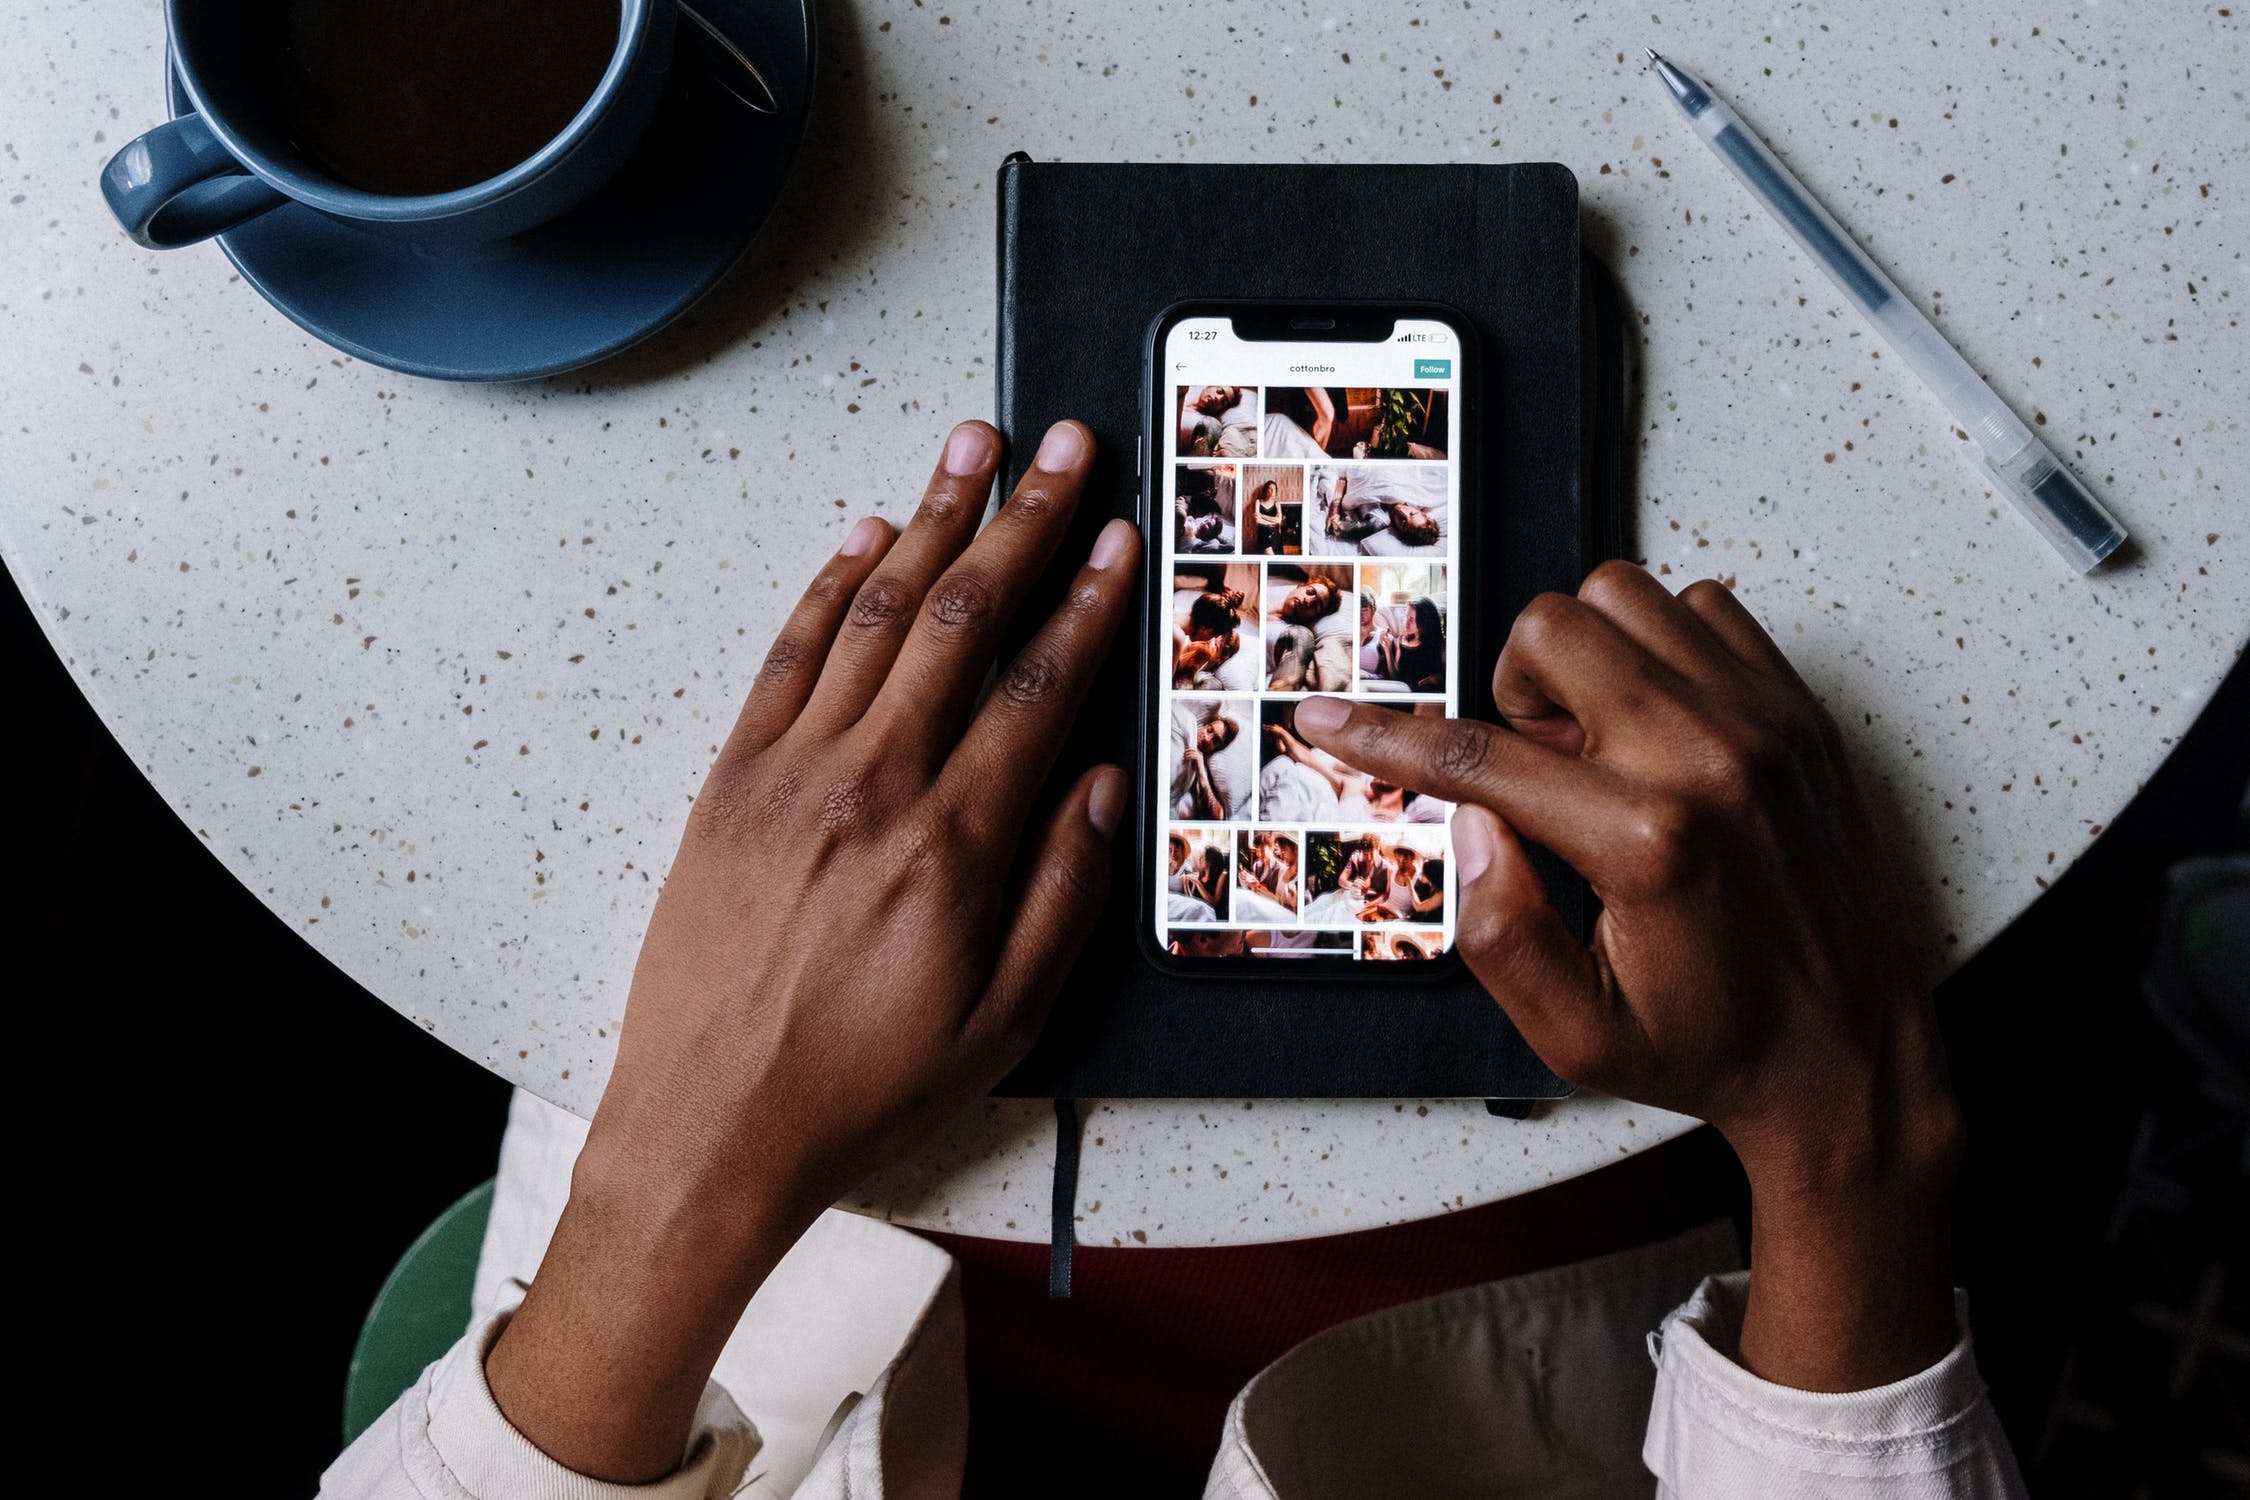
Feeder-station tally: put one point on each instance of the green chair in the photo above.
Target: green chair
(422, 1310)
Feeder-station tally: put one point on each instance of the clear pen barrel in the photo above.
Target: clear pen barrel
(2021, 468)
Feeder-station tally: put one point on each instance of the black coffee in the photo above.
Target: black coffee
(425, 96)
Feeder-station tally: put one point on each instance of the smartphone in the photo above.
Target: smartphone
(1311, 522)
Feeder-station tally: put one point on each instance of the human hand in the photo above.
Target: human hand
(855, 940)
(866, 803)
(1747, 966)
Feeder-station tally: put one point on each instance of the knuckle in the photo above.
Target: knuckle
(849, 802)
(1638, 694)
(1034, 679)
(1542, 623)
(725, 810)
(827, 586)
(961, 604)
(881, 604)
(786, 657)
(1758, 759)
(1665, 835)
(782, 789)
(945, 501)
(1037, 501)
(1077, 884)
(1704, 593)
(1612, 582)
(1372, 733)
(1463, 749)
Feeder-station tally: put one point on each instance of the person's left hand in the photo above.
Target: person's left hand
(855, 941)
(850, 944)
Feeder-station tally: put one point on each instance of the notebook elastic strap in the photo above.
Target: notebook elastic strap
(1063, 1207)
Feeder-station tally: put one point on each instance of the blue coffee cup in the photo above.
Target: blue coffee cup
(230, 159)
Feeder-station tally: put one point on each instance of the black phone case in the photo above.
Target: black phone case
(1090, 256)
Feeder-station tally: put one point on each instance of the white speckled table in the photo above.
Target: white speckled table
(436, 670)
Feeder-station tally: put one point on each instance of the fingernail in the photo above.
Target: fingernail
(1105, 801)
(969, 449)
(863, 537)
(1111, 546)
(1060, 448)
(1316, 715)
(1472, 843)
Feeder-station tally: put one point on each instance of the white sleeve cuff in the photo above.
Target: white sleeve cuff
(446, 1439)
(1715, 1429)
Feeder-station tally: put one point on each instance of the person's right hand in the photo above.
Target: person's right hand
(1748, 965)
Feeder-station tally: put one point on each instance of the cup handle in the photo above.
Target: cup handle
(178, 185)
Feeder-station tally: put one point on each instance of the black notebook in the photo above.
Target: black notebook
(1090, 256)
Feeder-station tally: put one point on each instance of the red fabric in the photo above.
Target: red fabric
(1142, 1360)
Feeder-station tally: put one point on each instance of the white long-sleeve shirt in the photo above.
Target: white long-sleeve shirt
(845, 1379)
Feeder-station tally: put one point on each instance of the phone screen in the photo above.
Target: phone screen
(1307, 531)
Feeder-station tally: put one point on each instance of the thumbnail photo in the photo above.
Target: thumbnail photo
(1356, 422)
(1195, 886)
(1402, 628)
(1265, 876)
(1258, 942)
(1216, 421)
(1396, 876)
(1273, 509)
(1215, 628)
(1205, 509)
(1401, 944)
(1377, 510)
(1302, 783)
(1210, 759)
(1224, 942)
(1308, 628)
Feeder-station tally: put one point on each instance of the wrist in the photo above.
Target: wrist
(1851, 1262)
(1893, 1155)
(604, 1364)
(1890, 1131)
(654, 1195)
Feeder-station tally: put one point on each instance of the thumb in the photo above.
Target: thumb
(1518, 946)
(1065, 883)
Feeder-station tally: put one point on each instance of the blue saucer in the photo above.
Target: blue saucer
(603, 277)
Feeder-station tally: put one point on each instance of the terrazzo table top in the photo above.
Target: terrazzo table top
(435, 670)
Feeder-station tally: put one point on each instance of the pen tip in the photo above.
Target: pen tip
(1651, 51)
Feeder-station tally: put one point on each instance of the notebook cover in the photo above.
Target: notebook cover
(1090, 256)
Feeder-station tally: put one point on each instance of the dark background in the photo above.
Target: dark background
(221, 1143)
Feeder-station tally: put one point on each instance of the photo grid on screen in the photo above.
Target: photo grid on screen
(1309, 543)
